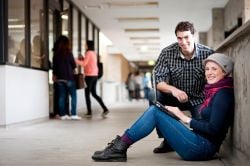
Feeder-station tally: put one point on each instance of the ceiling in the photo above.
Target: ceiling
(139, 29)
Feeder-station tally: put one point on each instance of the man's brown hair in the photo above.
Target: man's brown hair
(185, 26)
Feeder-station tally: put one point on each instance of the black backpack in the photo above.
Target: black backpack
(100, 70)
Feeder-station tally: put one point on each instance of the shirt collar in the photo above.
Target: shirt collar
(194, 54)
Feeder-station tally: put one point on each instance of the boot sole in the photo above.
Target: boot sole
(110, 160)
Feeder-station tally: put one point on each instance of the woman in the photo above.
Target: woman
(63, 75)
(207, 134)
(89, 63)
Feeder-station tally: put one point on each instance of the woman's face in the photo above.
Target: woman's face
(213, 72)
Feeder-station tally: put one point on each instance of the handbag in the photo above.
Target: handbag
(80, 81)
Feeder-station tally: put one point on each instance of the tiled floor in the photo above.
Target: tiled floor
(71, 143)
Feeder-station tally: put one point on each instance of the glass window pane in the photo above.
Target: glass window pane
(75, 33)
(90, 32)
(51, 35)
(83, 39)
(51, 42)
(36, 22)
(16, 32)
(96, 40)
(65, 19)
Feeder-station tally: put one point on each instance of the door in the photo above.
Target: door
(54, 30)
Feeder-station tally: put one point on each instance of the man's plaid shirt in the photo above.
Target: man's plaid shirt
(187, 75)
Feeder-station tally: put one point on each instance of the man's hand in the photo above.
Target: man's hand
(180, 95)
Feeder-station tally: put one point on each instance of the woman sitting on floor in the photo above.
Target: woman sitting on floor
(207, 134)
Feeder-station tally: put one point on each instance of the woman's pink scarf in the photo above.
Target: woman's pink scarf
(211, 89)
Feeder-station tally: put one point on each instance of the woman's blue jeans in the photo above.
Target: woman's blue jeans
(189, 145)
(65, 88)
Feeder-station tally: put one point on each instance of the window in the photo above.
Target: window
(90, 31)
(96, 40)
(16, 32)
(83, 38)
(75, 32)
(37, 44)
(65, 19)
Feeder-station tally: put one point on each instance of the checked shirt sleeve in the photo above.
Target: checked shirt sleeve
(161, 69)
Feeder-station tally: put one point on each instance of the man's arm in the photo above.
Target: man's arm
(166, 88)
(162, 77)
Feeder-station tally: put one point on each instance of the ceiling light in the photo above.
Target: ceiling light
(126, 19)
(142, 30)
(14, 20)
(151, 63)
(16, 26)
(92, 6)
(132, 4)
(65, 32)
(143, 38)
(138, 44)
(144, 48)
(65, 17)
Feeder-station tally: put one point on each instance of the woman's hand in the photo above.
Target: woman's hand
(80, 57)
(54, 78)
(176, 111)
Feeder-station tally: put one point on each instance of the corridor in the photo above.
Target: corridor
(71, 143)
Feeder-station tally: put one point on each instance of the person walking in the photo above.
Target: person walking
(130, 86)
(179, 74)
(207, 134)
(138, 79)
(63, 75)
(89, 63)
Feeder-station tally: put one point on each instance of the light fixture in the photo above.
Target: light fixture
(144, 48)
(65, 16)
(65, 32)
(151, 62)
(142, 30)
(18, 26)
(13, 20)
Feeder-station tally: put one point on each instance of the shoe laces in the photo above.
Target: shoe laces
(111, 144)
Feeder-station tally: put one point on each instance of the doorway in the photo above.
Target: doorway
(54, 30)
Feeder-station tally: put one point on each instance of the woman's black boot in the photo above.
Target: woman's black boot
(116, 151)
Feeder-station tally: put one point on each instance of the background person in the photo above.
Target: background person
(20, 55)
(37, 52)
(130, 86)
(208, 132)
(146, 85)
(63, 74)
(89, 63)
(138, 79)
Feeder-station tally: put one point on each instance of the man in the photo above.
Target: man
(179, 74)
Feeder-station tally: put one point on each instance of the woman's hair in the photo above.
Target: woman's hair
(185, 26)
(62, 46)
(90, 45)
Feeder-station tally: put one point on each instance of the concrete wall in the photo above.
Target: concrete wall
(210, 37)
(218, 26)
(233, 10)
(236, 149)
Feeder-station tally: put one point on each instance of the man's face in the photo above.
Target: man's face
(186, 41)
